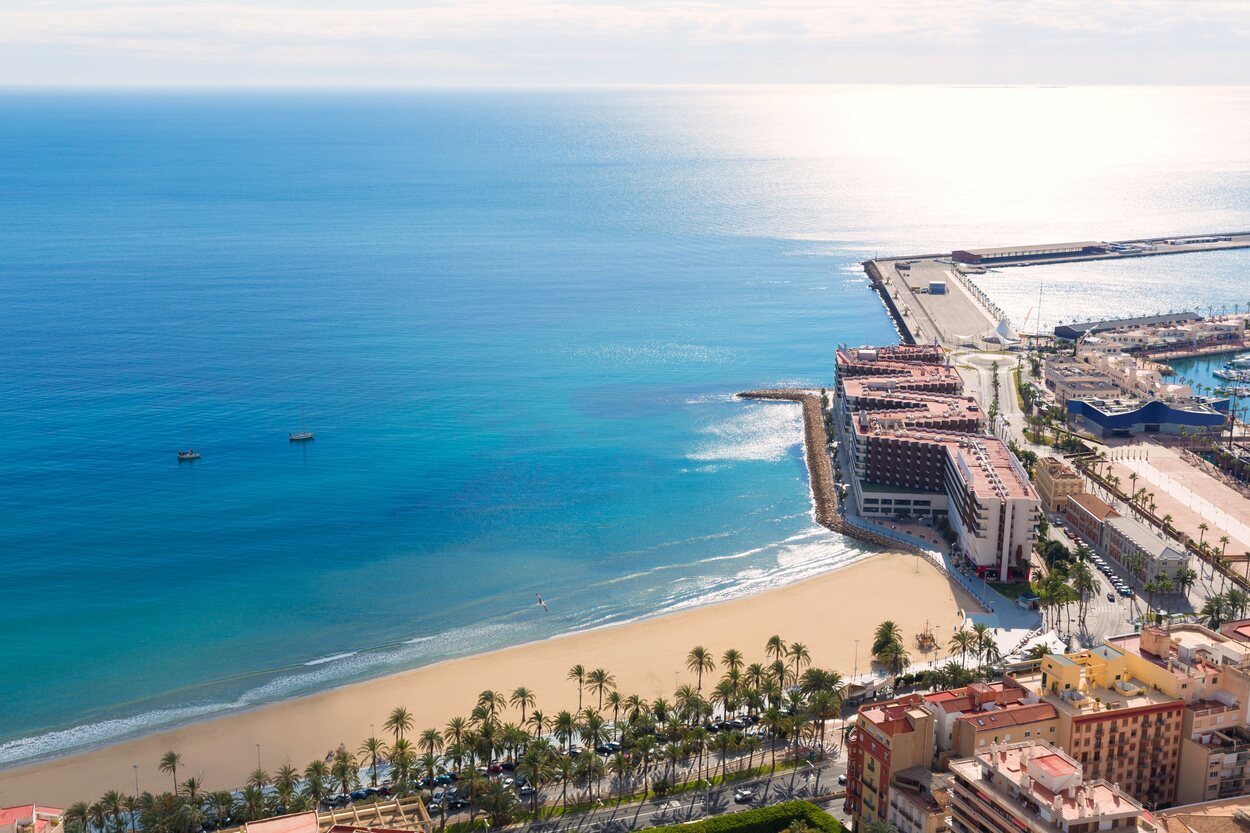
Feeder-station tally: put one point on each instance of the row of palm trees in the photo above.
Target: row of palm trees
(653, 740)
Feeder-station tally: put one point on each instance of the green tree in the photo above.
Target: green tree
(523, 698)
(578, 674)
(800, 656)
(398, 722)
(169, 764)
(600, 682)
(700, 661)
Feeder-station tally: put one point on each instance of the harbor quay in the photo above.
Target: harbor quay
(933, 301)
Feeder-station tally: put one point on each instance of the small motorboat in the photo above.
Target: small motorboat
(189, 454)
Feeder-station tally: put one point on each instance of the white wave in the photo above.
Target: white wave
(711, 397)
(759, 432)
(331, 658)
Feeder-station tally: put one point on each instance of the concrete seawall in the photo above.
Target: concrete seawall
(879, 286)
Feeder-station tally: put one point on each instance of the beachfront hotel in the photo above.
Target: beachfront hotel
(916, 448)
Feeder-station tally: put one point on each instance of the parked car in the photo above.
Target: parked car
(842, 779)
(1125, 592)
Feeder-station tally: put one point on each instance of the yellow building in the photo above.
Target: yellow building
(1208, 672)
(1117, 725)
(1054, 481)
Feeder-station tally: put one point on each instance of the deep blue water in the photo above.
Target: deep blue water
(515, 321)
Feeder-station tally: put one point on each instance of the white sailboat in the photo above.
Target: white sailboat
(301, 435)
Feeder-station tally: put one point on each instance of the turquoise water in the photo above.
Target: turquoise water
(515, 321)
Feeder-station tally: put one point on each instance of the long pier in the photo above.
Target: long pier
(932, 300)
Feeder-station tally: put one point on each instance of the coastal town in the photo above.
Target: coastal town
(1085, 506)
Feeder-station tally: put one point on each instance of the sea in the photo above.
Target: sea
(516, 321)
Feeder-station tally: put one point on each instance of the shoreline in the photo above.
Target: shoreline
(642, 654)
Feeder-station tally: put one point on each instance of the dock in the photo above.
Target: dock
(932, 300)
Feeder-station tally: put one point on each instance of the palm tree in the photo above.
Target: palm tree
(372, 749)
(259, 779)
(775, 648)
(221, 804)
(1202, 531)
(538, 723)
(398, 721)
(98, 815)
(522, 698)
(77, 817)
(732, 660)
(578, 674)
(699, 660)
(170, 762)
(344, 770)
(455, 729)
(1185, 579)
(894, 658)
(564, 727)
(402, 758)
(193, 789)
(430, 741)
(286, 782)
(252, 804)
(886, 633)
(1236, 601)
(800, 656)
(1214, 611)
(538, 767)
(962, 641)
(113, 805)
(614, 701)
(644, 746)
(316, 778)
(600, 682)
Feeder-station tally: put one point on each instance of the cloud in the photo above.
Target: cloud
(548, 38)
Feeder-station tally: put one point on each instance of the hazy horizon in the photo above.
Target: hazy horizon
(493, 43)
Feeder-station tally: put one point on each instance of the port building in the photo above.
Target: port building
(1120, 418)
(1040, 252)
(1073, 332)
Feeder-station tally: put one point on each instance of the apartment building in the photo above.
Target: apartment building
(1115, 724)
(887, 738)
(1141, 550)
(1054, 482)
(31, 818)
(1208, 672)
(1071, 379)
(1035, 788)
(1086, 513)
(919, 801)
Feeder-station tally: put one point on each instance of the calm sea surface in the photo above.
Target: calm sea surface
(515, 321)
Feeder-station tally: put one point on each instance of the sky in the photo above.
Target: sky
(569, 43)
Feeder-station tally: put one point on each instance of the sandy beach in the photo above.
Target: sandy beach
(828, 613)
